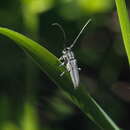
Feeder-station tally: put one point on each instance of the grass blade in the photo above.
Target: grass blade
(124, 23)
(50, 65)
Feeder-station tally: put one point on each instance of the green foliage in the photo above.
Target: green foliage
(97, 6)
(125, 24)
(29, 119)
(9, 126)
(50, 65)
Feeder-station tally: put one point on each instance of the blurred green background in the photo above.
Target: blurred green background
(31, 101)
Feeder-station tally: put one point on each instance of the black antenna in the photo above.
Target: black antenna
(80, 33)
(64, 35)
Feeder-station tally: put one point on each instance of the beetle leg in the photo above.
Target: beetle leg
(62, 64)
(62, 74)
(61, 58)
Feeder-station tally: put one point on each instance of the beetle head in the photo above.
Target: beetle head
(66, 50)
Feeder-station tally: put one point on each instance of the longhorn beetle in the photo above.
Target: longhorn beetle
(68, 58)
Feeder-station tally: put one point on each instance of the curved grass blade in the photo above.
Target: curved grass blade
(50, 65)
(125, 24)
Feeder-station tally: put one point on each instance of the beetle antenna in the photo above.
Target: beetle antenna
(72, 45)
(61, 28)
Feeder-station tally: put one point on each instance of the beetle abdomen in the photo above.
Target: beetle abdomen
(73, 69)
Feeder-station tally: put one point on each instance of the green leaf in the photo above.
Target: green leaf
(124, 23)
(29, 120)
(50, 65)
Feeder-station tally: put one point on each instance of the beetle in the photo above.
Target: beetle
(68, 58)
